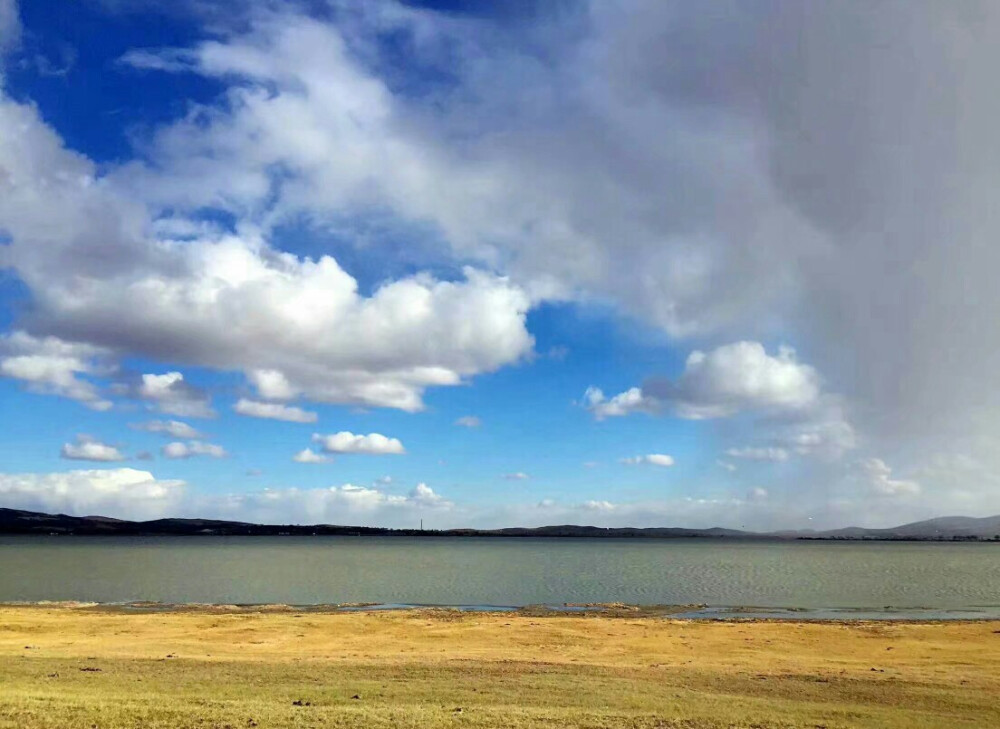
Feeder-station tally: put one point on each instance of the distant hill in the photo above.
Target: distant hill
(943, 527)
(14, 521)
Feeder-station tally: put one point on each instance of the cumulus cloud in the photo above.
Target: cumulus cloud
(723, 382)
(742, 378)
(346, 505)
(87, 448)
(496, 194)
(516, 476)
(758, 454)
(737, 377)
(272, 384)
(653, 459)
(347, 442)
(424, 495)
(170, 394)
(120, 492)
(879, 478)
(274, 411)
(49, 365)
(169, 428)
(469, 421)
(308, 455)
(133, 494)
(624, 403)
(231, 301)
(192, 448)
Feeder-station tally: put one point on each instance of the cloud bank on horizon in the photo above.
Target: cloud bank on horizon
(754, 242)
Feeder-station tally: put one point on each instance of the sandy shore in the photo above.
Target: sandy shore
(84, 666)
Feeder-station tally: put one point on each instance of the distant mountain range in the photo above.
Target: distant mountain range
(14, 521)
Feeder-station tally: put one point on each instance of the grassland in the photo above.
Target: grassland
(84, 667)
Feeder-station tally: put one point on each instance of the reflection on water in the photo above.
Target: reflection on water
(506, 572)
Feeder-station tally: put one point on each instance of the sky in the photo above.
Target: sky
(609, 262)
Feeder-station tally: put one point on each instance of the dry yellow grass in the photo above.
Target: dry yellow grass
(81, 667)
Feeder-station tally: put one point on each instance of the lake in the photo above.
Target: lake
(503, 572)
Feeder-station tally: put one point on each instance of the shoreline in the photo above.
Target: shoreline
(691, 612)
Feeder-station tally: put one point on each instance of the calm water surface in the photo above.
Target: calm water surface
(483, 571)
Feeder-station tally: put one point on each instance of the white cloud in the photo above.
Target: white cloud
(135, 494)
(347, 442)
(723, 382)
(307, 455)
(783, 394)
(192, 448)
(170, 394)
(726, 465)
(469, 421)
(10, 29)
(170, 428)
(653, 459)
(128, 493)
(624, 403)
(424, 495)
(739, 377)
(52, 366)
(879, 478)
(516, 476)
(493, 194)
(272, 384)
(120, 492)
(758, 454)
(594, 505)
(89, 449)
(345, 505)
(231, 301)
(274, 411)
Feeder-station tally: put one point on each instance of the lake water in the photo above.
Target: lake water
(502, 572)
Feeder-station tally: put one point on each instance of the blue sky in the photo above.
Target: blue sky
(668, 291)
